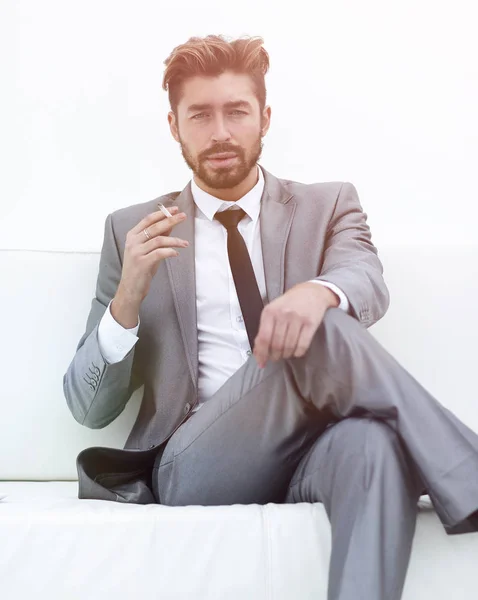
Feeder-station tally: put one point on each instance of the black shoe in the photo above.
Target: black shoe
(473, 518)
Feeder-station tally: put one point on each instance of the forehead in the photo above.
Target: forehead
(217, 91)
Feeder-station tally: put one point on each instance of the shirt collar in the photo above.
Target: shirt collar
(250, 202)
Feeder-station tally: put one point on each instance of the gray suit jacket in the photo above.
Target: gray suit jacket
(308, 231)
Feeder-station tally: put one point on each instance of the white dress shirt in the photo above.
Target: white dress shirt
(223, 345)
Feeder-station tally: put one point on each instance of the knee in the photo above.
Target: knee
(377, 431)
(387, 463)
(369, 433)
(356, 452)
(361, 446)
(379, 439)
(372, 440)
(336, 320)
(383, 451)
(336, 329)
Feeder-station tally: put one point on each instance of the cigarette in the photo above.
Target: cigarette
(164, 210)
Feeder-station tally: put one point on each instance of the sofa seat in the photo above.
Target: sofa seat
(58, 547)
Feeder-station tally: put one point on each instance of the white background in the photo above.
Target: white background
(382, 94)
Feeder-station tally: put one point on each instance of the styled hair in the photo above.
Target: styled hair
(211, 56)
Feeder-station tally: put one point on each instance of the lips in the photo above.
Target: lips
(222, 156)
(222, 160)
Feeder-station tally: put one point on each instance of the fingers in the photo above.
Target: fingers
(157, 217)
(166, 224)
(281, 336)
(284, 340)
(277, 343)
(263, 338)
(158, 227)
(161, 241)
(292, 339)
(305, 339)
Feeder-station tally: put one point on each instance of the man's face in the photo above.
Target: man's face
(220, 116)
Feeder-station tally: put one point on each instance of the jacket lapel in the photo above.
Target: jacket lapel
(276, 219)
(182, 275)
(277, 211)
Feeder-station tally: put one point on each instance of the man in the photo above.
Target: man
(247, 329)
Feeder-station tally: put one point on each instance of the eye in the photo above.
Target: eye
(198, 116)
(239, 112)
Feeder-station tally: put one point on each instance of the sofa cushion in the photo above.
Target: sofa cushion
(58, 547)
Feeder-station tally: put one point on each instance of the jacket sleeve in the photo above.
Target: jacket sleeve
(97, 392)
(351, 260)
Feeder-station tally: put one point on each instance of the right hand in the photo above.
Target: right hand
(142, 256)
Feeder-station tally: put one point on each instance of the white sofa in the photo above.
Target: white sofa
(54, 546)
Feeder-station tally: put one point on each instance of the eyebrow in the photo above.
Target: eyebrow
(235, 104)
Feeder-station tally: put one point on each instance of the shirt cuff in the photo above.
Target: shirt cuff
(114, 340)
(344, 301)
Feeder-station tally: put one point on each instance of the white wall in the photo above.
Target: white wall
(383, 94)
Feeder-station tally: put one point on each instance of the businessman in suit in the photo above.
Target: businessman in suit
(248, 329)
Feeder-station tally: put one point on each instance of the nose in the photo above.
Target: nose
(220, 132)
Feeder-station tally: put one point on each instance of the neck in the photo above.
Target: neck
(233, 194)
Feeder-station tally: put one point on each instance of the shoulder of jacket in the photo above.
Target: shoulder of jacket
(323, 191)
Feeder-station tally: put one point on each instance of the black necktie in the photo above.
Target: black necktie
(247, 289)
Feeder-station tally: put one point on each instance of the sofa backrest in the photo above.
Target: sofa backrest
(431, 328)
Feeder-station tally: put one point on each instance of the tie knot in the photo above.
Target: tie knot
(230, 218)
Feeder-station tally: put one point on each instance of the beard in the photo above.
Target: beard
(225, 177)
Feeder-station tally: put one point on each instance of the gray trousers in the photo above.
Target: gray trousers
(344, 425)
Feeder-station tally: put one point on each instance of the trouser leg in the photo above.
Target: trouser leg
(248, 438)
(352, 374)
(361, 473)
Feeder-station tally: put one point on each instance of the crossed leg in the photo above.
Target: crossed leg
(345, 425)
(359, 470)
(244, 444)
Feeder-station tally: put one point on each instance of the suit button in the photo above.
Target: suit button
(187, 408)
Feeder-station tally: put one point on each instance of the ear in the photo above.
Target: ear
(266, 120)
(173, 125)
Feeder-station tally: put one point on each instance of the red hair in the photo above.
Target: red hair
(213, 55)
